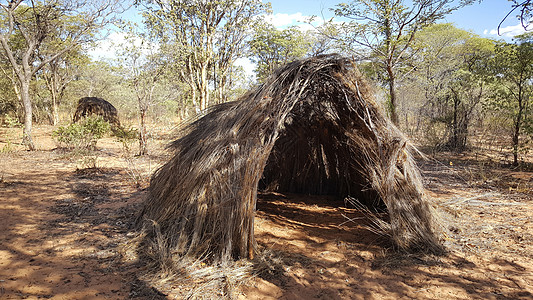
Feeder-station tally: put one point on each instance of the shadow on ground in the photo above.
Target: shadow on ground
(61, 229)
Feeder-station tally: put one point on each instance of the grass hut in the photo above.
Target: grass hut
(312, 127)
(88, 106)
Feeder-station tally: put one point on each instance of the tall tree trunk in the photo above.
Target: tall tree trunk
(55, 114)
(222, 88)
(392, 93)
(390, 65)
(194, 101)
(463, 135)
(204, 89)
(191, 82)
(516, 135)
(455, 125)
(28, 114)
(17, 92)
(55, 91)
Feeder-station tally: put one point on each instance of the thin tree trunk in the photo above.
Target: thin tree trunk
(455, 128)
(222, 89)
(194, 101)
(407, 127)
(517, 125)
(390, 67)
(142, 134)
(56, 91)
(192, 85)
(515, 144)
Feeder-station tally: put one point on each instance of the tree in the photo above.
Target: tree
(207, 36)
(145, 67)
(524, 8)
(513, 66)
(34, 23)
(451, 70)
(58, 74)
(271, 48)
(387, 28)
(97, 78)
(324, 39)
(10, 97)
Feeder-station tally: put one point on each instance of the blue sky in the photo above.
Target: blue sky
(481, 18)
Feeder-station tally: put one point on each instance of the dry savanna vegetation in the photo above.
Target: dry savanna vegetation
(70, 219)
(375, 152)
(67, 232)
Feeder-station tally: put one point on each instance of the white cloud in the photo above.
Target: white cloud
(508, 31)
(105, 49)
(247, 65)
(284, 20)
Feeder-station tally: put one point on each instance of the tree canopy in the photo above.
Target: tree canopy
(50, 27)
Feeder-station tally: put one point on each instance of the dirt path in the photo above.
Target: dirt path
(61, 230)
(44, 255)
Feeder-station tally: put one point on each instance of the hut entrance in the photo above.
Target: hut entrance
(313, 155)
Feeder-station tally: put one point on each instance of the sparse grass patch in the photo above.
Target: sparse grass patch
(12, 122)
(395, 260)
(126, 136)
(186, 277)
(8, 147)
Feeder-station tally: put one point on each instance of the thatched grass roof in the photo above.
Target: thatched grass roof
(88, 106)
(312, 127)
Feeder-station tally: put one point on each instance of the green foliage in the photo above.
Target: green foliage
(449, 83)
(35, 33)
(383, 30)
(126, 133)
(512, 69)
(126, 136)
(81, 135)
(7, 148)
(271, 48)
(204, 38)
(8, 98)
(12, 122)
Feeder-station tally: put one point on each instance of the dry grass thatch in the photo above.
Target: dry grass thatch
(312, 127)
(88, 106)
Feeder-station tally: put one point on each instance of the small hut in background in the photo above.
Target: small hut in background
(312, 127)
(88, 106)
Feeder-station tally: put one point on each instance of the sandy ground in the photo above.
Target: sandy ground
(62, 228)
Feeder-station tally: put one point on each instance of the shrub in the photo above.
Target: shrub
(81, 135)
(12, 122)
(126, 136)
